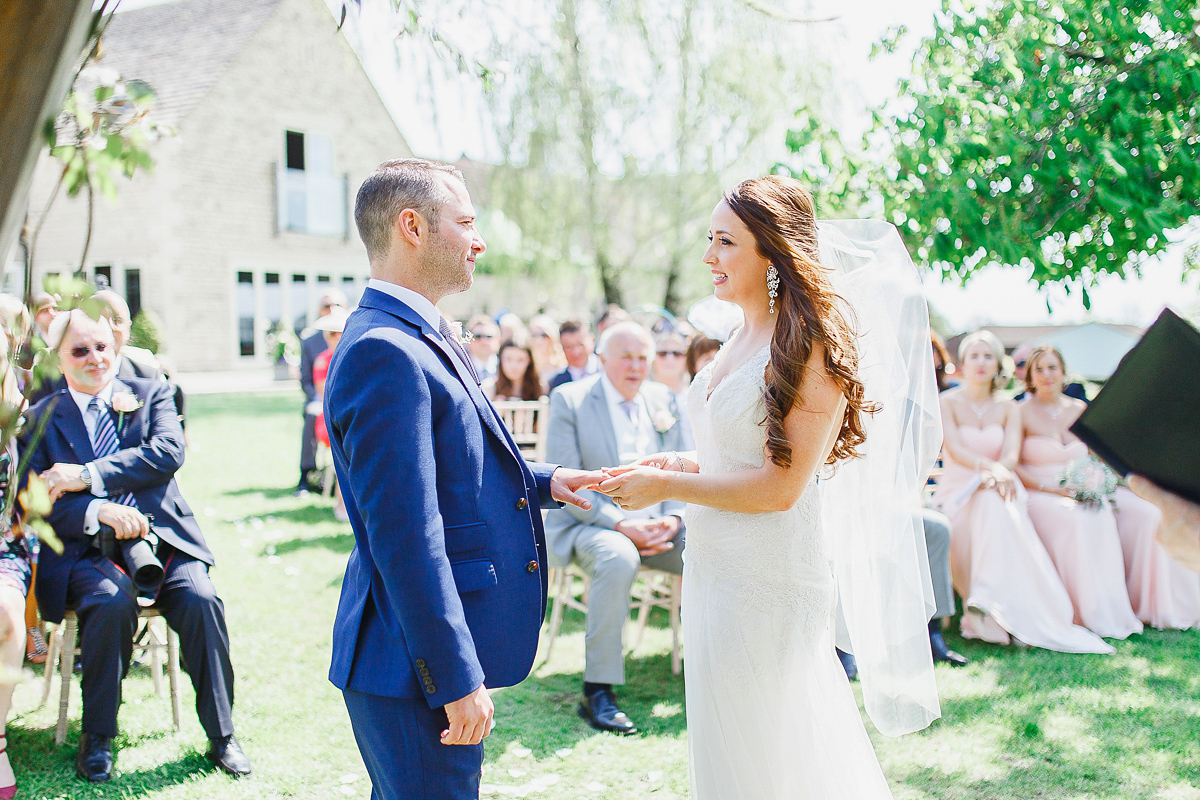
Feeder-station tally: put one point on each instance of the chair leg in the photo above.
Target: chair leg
(173, 676)
(645, 603)
(155, 647)
(66, 661)
(55, 646)
(676, 584)
(558, 578)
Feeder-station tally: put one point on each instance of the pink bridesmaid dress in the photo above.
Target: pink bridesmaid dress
(1082, 542)
(1163, 592)
(999, 565)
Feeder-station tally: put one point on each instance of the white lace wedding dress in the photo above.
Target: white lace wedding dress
(770, 712)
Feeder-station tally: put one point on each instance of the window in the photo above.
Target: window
(299, 298)
(245, 312)
(103, 277)
(311, 198)
(351, 290)
(272, 299)
(133, 291)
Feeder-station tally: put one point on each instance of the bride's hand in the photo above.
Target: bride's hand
(671, 461)
(634, 487)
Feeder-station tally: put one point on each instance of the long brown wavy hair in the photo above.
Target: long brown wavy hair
(780, 214)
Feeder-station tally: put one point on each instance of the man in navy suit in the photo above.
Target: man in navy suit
(108, 456)
(445, 589)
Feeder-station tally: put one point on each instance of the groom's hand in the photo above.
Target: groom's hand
(470, 718)
(564, 484)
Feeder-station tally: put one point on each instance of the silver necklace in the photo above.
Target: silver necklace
(977, 410)
(1055, 412)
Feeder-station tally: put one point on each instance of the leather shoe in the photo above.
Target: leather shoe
(601, 712)
(943, 653)
(94, 761)
(227, 754)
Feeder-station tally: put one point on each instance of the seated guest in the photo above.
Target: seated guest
(1000, 567)
(1020, 358)
(701, 350)
(577, 346)
(132, 362)
(611, 315)
(616, 417)
(937, 548)
(45, 309)
(1161, 592)
(483, 345)
(517, 377)
(15, 572)
(108, 457)
(670, 369)
(1081, 539)
(543, 343)
(943, 367)
(512, 329)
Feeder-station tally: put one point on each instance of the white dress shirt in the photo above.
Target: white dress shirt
(414, 300)
(635, 437)
(91, 522)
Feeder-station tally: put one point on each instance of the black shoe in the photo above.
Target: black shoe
(601, 712)
(94, 761)
(942, 653)
(227, 754)
(848, 664)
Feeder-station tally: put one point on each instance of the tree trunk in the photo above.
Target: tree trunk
(671, 297)
(610, 280)
(40, 46)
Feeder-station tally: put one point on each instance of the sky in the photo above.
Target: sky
(996, 295)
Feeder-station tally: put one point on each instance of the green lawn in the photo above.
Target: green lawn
(1017, 723)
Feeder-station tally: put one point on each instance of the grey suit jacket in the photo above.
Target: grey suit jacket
(580, 435)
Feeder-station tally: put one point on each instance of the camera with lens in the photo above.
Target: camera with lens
(140, 557)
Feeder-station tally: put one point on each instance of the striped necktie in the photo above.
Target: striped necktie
(452, 339)
(104, 441)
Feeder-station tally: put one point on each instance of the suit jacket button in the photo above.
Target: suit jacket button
(428, 681)
(420, 662)
(424, 671)
(430, 689)
(522, 504)
(532, 566)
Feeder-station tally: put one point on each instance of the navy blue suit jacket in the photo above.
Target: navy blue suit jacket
(151, 442)
(446, 586)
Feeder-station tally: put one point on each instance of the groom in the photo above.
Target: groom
(445, 590)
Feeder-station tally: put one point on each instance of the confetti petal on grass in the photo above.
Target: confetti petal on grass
(291, 571)
(564, 752)
(270, 549)
(595, 787)
(654, 775)
(521, 752)
(246, 543)
(517, 773)
(274, 560)
(348, 778)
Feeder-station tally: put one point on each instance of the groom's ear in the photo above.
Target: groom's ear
(411, 227)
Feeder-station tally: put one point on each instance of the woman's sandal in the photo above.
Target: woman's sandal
(35, 648)
(6, 792)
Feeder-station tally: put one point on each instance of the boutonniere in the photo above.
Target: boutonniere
(464, 335)
(663, 420)
(125, 403)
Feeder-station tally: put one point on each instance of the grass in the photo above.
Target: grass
(1016, 723)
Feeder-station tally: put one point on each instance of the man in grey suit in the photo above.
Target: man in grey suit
(615, 417)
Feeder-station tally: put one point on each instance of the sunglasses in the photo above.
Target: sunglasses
(83, 350)
(672, 353)
(482, 335)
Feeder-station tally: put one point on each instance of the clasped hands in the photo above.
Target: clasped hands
(126, 521)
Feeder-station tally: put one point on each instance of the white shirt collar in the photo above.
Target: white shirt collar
(83, 400)
(614, 397)
(414, 300)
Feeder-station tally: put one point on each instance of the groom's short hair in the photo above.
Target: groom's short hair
(394, 186)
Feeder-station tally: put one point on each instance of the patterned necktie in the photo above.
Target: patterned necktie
(452, 338)
(631, 410)
(104, 441)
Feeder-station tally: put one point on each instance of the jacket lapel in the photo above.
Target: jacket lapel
(385, 302)
(596, 407)
(129, 424)
(69, 423)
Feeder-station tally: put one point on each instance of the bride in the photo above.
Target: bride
(770, 712)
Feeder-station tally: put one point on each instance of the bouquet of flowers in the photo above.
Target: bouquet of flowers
(1089, 481)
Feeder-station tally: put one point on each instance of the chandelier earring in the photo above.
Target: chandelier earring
(772, 285)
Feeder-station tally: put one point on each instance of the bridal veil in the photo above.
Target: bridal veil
(871, 505)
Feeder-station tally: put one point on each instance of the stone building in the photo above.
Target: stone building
(247, 214)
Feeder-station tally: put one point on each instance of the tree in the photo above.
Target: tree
(1059, 135)
(620, 123)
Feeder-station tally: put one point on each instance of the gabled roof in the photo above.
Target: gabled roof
(181, 48)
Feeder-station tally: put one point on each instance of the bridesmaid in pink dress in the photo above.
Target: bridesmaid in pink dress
(1082, 541)
(1008, 582)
